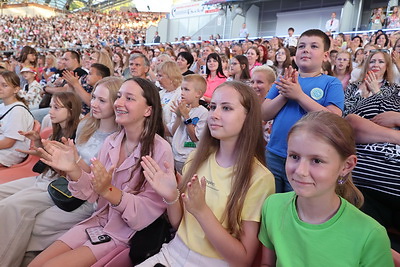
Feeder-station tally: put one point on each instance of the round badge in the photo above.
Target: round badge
(317, 93)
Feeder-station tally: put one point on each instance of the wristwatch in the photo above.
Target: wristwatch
(188, 121)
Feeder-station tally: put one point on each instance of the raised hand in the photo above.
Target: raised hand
(164, 183)
(31, 135)
(184, 109)
(175, 108)
(195, 197)
(71, 77)
(58, 155)
(371, 80)
(101, 178)
(288, 85)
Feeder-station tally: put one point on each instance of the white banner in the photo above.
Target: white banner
(192, 9)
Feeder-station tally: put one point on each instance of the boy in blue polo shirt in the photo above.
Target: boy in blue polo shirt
(297, 93)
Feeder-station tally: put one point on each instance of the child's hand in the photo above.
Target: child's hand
(31, 135)
(175, 108)
(289, 87)
(184, 109)
(372, 82)
(58, 155)
(164, 183)
(195, 198)
(101, 178)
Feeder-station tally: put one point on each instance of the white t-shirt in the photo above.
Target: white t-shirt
(181, 135)
(18, 119)
(167, 98)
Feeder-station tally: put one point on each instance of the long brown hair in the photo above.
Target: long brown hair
(152, 125)
(92, 124)
(72, 102)
(338, 133)
(249, 146)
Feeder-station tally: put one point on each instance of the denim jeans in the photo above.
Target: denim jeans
(276, 165)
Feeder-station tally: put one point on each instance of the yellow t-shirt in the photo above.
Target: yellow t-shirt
(218, 188)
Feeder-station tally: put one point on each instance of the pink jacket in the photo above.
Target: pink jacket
(136, 211)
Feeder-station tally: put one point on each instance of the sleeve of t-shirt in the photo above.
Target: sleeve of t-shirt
(335, 94)
(273, 92)
(376, 251)
(201, 123)
(263, 234)
(18, 119)
(263, 185)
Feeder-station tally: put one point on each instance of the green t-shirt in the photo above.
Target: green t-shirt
(349, 238)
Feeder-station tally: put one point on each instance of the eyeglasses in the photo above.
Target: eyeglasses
(387, 51)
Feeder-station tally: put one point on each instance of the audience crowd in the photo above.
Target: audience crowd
(220, 114)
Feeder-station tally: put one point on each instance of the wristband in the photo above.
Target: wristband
(188, 121)
(174, 201)
(79, 159)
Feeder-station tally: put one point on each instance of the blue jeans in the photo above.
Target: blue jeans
(276, 165)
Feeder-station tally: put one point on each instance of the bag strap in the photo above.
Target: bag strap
(14, 107)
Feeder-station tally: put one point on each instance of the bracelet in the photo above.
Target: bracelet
(116, 205)
(79, 159)
(174, 201)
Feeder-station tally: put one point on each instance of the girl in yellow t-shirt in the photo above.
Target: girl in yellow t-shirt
(223, 185)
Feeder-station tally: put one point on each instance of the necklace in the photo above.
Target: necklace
(129, 151)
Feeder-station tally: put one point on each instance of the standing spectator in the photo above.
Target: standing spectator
(377, 19)
(393, 21)
(290, 40)
(332, 24)
(156, 38)
(244, 33)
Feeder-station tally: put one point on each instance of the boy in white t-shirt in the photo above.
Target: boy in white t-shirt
(188, 119)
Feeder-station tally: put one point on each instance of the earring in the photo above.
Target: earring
(341, 180)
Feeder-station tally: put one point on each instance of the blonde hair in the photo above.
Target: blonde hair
(339, 134)
(198, 81)
(388, 76)
(268, 72)
(105, 59)
(171, 69)
(92, 124)
(349, 68)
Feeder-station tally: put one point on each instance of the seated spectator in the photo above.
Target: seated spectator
(15, 117)
(240, 69)
(382, 41)
(188, 120)
(253, 55)
(185, 61)
(282, 60)
(342, 68)
(139, 65)
(170, 78)
(214, 75)
(124, 197)
(32, 91)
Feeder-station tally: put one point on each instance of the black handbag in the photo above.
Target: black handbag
(148, 241)
(61, 196)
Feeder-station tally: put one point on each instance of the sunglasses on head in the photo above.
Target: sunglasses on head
(387, 51)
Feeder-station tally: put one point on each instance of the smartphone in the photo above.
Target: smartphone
(97, 235)
(203, 70)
